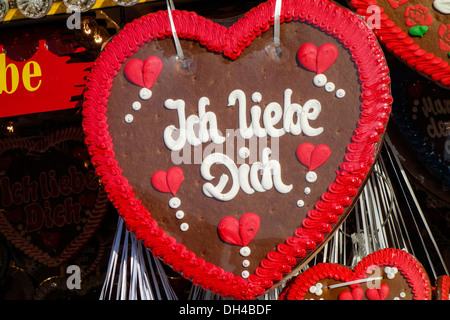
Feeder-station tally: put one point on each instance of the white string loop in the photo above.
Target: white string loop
(178, 48)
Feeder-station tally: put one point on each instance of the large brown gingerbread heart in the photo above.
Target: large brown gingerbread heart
(387, 274)
(51, 199)
(235, 161)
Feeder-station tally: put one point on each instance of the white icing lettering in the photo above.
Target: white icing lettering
(260, 176)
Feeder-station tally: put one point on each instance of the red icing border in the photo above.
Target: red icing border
(403, 46)
(338, 22)
(444, 288)
(408, 266)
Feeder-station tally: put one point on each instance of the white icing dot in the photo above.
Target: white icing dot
(245, 274)
(245, 251)
(415, 109)
(320, 80)
(396, 298)
(317, 289)
(129, 118)
(245, 263)
(329, 87)
(184, 226)
(174, 202)
(340, 93)
(179, 214)
(307, 190)
(390, 272)
(244, 153)
(416, 102)
(300, 203)
(256, 97)
(136, 105)
(311, 176)
(145, 94)
(402, 294)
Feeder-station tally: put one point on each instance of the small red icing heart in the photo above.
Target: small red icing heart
(357, 293)
(313, 156)
(169, 181)
(326, 55)
(239, 232)
(307, 55)
(378, 294)
(143, 73)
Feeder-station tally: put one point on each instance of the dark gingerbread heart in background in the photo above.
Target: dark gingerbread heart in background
(393, 274)
(126, 139)
(416, 31)
(52, 202)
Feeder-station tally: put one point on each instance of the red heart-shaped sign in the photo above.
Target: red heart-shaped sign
(231, 88)
(384, 274)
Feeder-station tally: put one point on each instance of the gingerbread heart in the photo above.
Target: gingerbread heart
(442, 288)
(387, 274)
(51, 196)
(231, 117)
(414, 31)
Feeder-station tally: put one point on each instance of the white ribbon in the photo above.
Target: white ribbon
(171, 7)
(276, 24)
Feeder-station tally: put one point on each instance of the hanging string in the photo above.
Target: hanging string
(180, 54)
(276, 24)
(414, 206)
(132, 281)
